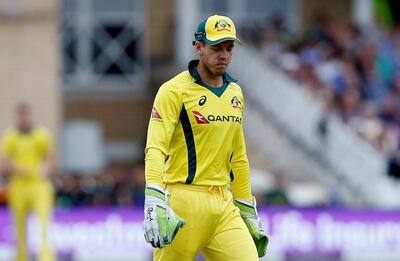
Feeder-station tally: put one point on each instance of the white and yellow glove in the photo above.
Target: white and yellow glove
(248, 212)
(160, 222)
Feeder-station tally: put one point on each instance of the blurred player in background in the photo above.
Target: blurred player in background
(195, 148)
(27, 156)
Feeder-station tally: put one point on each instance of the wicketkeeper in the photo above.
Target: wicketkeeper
(195, 150)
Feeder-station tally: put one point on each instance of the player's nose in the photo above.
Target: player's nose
(223, 54)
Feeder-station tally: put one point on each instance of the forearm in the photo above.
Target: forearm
(154, 166)
(241, 188)
(49, 166)
(5, 165)
(9, 167)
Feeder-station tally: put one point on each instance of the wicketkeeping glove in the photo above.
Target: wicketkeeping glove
(250, 217)
(160, 222)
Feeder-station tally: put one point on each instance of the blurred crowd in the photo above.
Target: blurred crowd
(122, 185)
(354, 71)
(118, 185)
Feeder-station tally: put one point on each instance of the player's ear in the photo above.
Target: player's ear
(197, 46)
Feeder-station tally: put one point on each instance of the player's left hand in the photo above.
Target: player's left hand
(19, 169)
(44, 170)
(161, 223)
(250, 217)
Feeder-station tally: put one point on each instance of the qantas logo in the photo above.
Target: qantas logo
(200, 118)
(155, 115)
(210, 118)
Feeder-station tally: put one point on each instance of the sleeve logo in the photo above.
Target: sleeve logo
(155, 115)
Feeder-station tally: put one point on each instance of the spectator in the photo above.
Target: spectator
(277, 196)
(369, 126)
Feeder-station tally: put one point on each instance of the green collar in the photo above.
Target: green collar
(217, 91)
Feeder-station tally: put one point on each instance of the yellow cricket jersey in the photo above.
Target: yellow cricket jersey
(195, 134)
(27, 150)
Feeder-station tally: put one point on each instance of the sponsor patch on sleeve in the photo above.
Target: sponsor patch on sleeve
(155, 115)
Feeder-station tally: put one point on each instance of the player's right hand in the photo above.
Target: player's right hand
(160, 222)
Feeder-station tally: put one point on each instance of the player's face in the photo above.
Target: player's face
(216, 58)
(23, 118)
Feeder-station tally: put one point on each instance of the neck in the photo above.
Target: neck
(208, 77)
(24, 128)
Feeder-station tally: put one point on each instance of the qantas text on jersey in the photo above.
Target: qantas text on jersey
(223, 118)
(227, 118)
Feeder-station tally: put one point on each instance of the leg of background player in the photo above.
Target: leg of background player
(19, 207)
(43, 207)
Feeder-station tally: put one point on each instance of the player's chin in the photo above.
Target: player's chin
(219, 72)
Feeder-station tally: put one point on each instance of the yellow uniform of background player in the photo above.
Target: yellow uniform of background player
(195, 148)
(26, 154)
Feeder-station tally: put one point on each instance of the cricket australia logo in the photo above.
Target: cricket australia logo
(236, 103)
(200, 118)
(222, 25)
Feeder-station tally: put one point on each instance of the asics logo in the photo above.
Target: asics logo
(202, 100)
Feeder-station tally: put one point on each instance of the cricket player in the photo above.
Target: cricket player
(27, 155)
(195, 149)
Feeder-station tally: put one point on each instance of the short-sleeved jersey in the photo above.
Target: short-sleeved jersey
(27, 149)
(197, 130)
